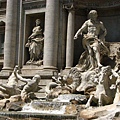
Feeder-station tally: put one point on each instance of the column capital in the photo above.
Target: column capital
(69, 7)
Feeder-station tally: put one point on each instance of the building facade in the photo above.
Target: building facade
(60, 19)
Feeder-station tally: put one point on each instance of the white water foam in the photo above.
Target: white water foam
(29, 108)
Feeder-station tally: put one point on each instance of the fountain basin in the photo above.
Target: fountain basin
(23, 115)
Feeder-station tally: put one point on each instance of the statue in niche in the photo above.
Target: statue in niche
(35, 44)
(94, 34)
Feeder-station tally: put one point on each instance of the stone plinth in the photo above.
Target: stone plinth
(108, 112)
(31, 70)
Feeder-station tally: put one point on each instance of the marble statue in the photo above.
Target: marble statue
(35, 44)
(117, 94)
(99, 83)
(11, 88)
(57, 86)
(103, 94)
(117, 67)
(65, 84)
(32, 85)
(94, 34)
(26, 90)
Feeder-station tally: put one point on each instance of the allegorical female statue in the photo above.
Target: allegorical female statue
(35, 44)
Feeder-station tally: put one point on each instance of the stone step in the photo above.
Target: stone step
(21, 115)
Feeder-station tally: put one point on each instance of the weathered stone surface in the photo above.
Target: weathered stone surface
(15, 98)
(72, 97)
(13, 103)
(14, 106)
(101, 113)
(44, 105)
(51, 60)
(3, 103)
(71, 109)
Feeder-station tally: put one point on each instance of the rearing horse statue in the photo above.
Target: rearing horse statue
(103, 94)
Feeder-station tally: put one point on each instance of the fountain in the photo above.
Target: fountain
(90, 90)
(40, 109)
(27, 104)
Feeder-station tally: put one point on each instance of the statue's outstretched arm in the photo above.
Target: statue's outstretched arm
(80, 31)
(21, 78)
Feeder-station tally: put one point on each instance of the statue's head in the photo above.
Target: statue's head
(38, 21)
(37, 78)
(93, 14)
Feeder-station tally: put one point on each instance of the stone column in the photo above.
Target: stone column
(70, 41)
(51, 34)
(21, 35)
(62, 37)
(10, 35)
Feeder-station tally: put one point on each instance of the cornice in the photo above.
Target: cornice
(33, 4)
(94, 4)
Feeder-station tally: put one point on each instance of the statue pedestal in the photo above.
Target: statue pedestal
(31, 70)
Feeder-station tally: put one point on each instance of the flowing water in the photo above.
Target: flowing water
(39, 110)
